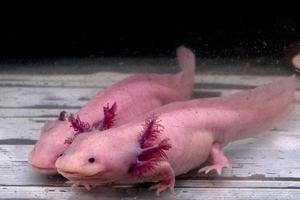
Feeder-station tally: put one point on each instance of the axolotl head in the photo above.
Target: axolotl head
(119, 155)
(50, 146)
(56, 136)
(98, 158)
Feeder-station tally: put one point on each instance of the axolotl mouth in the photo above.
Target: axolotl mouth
(79, 176)
(88, 181)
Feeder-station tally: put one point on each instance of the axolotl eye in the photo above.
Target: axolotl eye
(92, 160)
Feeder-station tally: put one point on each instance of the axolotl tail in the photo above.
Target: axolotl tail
(259, 109)
(185, 78)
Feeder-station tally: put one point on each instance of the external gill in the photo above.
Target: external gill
(81, 127)
(151, 152)
(152, 163)
(156, 152)
(109, 116)
(78, 125)
(151, 130)
(63, 116)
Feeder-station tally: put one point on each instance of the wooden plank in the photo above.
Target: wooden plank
(31, 113)
(65, 81)
(44, 97)
(15, 192)
(21, 128)
(256, 182)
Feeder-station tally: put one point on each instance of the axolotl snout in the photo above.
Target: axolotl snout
(121, 103)
(175, 138)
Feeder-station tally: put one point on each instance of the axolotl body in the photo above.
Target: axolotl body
(175, 138)
(123, 102)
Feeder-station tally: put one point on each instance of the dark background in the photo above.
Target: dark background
(237, 37)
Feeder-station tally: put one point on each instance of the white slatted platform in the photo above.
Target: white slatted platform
(264, 167)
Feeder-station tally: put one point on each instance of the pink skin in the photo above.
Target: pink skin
(183, 137)
(296, 63)
(134, 96)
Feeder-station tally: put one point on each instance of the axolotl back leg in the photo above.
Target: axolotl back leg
(151, 164)
(218, 159)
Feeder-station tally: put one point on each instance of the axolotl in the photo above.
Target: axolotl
(175, 138)
(123, 102)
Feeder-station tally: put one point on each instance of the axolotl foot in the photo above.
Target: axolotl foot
(218, 158)
(209, 168)
(163, 185)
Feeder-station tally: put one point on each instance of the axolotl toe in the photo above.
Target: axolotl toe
(119, 104)
(175, 138)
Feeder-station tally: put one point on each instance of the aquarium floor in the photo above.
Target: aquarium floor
(262, 167)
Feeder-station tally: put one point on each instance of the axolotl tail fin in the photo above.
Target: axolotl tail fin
(187, 62)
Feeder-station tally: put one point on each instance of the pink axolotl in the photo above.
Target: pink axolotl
(129, 99)
(175, 138)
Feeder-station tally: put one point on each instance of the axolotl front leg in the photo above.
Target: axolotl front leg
(166, 175)
(157, 171)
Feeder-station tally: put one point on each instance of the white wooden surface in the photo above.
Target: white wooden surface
(264, 167)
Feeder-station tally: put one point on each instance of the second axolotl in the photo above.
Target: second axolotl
(175, 138)
(123, 102)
